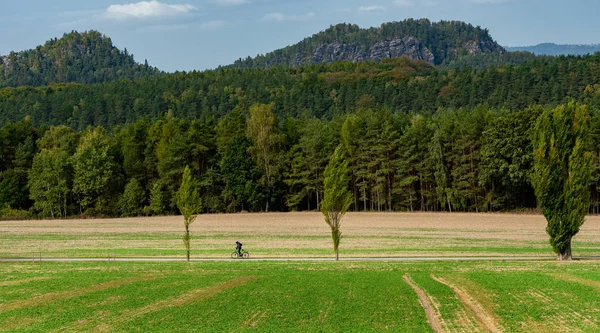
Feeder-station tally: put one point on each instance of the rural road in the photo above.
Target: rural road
(396, 259)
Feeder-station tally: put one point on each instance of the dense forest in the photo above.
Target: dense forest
(88, 57)
(477, 159)
(483, 61)
(444, 41)
(323, 91)
(417, 137)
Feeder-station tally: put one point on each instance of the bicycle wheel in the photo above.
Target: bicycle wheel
(234, 255)
(245, 255)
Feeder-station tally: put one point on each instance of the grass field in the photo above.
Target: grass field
(300, 297)
(294, 235)
(241, 296)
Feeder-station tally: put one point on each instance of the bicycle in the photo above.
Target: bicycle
(236, 255)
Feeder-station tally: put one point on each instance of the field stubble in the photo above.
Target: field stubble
(294, 235)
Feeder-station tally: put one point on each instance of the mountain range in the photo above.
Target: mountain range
(557, 49)
(90, 57)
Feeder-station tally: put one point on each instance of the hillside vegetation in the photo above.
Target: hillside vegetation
(87, 57)
(435, 43)
(323, 90)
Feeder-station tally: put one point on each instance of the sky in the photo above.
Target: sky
(190, 35)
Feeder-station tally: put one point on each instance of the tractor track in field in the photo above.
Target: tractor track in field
(431, 312)
(485, 319)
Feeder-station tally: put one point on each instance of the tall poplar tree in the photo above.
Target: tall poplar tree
(189, 204)
(337, 199)
(562, 172)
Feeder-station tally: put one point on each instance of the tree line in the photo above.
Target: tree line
(467, 160)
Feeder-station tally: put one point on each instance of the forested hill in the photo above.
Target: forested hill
(435, 43)
(87, 57)
(324, 91)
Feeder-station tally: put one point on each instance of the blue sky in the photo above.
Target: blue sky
(200, 34)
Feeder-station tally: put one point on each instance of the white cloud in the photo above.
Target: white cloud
(433, 3)
(229, 2)
(485, 2)
(213, 25)
(206, 26)
(146, 10)
(430, 3)
(371, 8)
(279, 17)
(403, 3)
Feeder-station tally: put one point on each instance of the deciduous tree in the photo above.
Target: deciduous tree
(267, 140)
(189, 204)
(337, 197)
(561, 172)
(94, 167)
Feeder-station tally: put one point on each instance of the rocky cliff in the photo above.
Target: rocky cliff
(435, 43)
(399, 47)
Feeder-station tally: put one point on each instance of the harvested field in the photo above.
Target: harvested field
(294, 235)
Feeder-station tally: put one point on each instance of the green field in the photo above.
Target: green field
(300, 297)
(271, 296)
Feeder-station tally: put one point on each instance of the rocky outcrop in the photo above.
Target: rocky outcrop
(400, 47)
(436, 43)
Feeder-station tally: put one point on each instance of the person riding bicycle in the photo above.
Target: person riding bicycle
(238, 247)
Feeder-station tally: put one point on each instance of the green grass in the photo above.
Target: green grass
(295, 297)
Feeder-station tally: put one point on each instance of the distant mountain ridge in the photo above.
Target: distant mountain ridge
(88, 57)
(435, 43)
(557, 49)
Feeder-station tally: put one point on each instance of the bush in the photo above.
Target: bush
(132, 201)
(7, 213)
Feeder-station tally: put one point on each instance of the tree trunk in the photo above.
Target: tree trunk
(365, 197)
(337, 255)
(410, 197)
(421, 192)
(389, 193)
(186, 240)
(566, 254)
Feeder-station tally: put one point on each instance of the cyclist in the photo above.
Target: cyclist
(238, 247)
